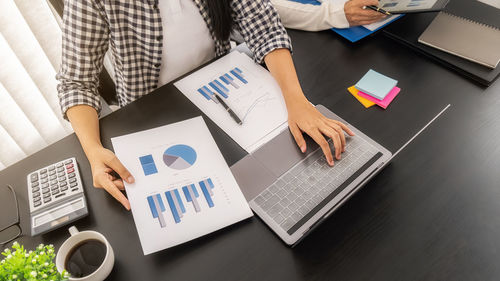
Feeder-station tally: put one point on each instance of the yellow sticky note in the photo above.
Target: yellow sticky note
(366, 103)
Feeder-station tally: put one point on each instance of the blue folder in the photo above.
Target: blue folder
(354, 33)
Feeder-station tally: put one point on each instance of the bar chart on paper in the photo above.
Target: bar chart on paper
(186, 200)
(249, 91)
(237, 85)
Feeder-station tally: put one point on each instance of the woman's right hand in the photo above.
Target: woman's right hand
(356, 15)
(103, 163)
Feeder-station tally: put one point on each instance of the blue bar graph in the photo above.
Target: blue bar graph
(218, 90)
(237, 75)
(210, 93)
(210, 183)
(194, 190)
(186, 193)
(178, 197)
(191, 196)
(230, 80)
(157, 208)
(204, 94)
(221, 86)
(173, 209)
(148, 165)
(206, 193)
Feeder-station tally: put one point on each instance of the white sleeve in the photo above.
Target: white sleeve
(312, 17)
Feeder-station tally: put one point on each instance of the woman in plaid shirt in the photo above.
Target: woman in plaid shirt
(150, 45)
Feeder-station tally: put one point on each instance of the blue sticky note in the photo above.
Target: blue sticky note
(375, 84)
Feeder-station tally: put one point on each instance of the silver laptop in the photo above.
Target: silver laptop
(292, 192)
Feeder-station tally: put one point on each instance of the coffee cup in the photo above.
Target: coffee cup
(86, 256)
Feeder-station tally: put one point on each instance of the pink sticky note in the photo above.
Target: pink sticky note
(386, 101)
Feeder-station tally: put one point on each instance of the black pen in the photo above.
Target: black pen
(229, 110)
(380, 10)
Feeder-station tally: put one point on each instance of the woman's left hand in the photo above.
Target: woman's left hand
(303, 117)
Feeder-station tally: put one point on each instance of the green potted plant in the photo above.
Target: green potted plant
(36, 265)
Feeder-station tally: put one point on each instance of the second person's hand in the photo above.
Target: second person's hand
(304, 117)
(103, 163)
(356, 15)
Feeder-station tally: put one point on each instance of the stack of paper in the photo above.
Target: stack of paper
(375, 88)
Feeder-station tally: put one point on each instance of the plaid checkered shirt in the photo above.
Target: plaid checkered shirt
(133, 30)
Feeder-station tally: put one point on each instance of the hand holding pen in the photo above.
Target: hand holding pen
(358, 13)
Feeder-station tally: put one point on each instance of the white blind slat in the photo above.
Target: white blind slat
(23, 42)
(10, 152)
(27, 96)
(17, 125)
(44, 26)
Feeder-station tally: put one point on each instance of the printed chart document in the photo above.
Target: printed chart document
(183, 187)
(248, 89)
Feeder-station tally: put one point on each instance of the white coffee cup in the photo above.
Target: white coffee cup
(77, 238)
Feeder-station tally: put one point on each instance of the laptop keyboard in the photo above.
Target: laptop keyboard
(304, 187)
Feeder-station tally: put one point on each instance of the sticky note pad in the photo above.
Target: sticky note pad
(365, 102)
(382, 103)
(375, 84)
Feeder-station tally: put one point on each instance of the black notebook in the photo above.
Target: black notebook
(408, 29)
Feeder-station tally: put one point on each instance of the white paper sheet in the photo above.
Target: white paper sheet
(375, 25)
(258, 102)
(165, 161)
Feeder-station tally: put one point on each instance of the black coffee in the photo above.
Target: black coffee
(85, 258)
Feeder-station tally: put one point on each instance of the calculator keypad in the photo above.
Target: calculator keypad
(54, 182)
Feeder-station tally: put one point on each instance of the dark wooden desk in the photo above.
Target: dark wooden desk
(433, 214)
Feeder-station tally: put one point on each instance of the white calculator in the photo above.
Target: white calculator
(56, 196)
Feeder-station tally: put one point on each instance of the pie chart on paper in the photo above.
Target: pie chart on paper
(179, 157)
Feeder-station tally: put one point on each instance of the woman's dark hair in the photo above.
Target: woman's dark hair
(219, 12)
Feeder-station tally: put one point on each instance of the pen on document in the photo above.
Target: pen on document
(377, 9)
(229, 110)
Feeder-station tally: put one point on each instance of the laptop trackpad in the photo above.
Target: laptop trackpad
(282, 153)
(252, 176)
